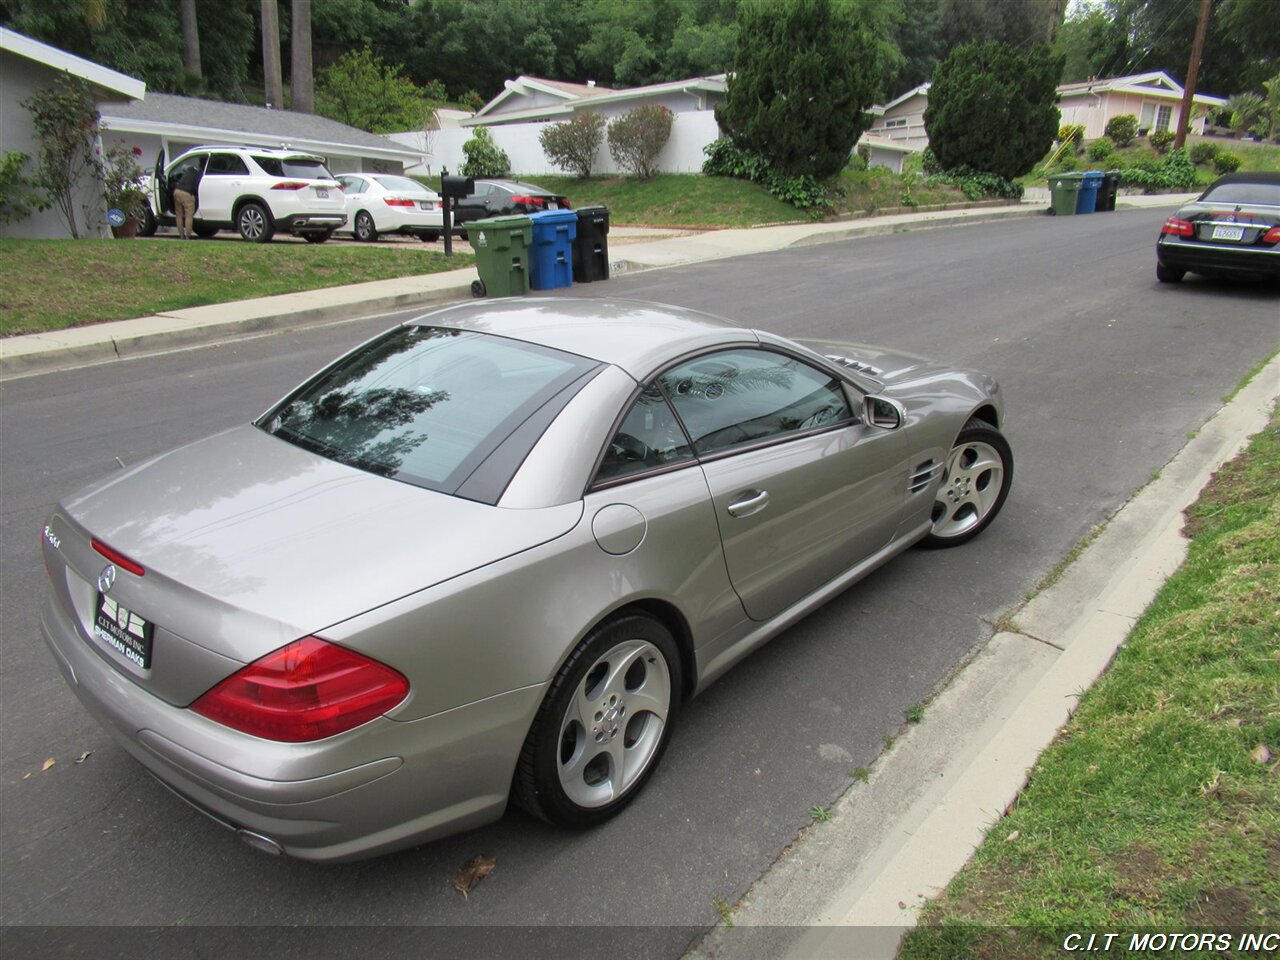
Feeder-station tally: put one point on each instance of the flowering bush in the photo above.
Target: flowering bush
(122, 180)
(638, 136)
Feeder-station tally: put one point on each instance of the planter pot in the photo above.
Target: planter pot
(127, 230)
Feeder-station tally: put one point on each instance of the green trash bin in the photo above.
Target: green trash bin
(1064, 189)
(501, 246)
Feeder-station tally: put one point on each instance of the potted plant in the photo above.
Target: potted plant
(122, 180)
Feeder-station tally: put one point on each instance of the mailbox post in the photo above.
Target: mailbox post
(452, 188)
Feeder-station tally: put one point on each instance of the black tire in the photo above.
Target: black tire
(318, 237)
(630, 663)
(254, 223)
(979, 472)
(364, 227)
(149, 223)
(1169, 274)
(477, 288)
(203, 230)
(431, 236)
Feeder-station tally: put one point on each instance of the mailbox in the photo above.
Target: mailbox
(451, 186)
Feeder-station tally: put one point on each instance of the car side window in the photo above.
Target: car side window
(745, 396)
(226, 165)
(353, 184)
(271, 166)
(649, 438)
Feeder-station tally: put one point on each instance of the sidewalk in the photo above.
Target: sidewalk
(178, 329)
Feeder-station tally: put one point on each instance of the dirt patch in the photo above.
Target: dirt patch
(1229, 486)
(1140, 874)
(1222, 908)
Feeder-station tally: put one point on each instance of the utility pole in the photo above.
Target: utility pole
(1197, 48)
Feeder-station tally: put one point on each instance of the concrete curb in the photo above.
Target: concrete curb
(900, 837)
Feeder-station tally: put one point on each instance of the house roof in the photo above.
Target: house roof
(212, 121)
(573, 95)
(1154, 83)
(869, 139)
(879, 110)
(108, 81)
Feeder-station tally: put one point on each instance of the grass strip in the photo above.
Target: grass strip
(1157, 810)
(55, 284)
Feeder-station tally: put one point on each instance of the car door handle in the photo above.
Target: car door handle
(752, 502)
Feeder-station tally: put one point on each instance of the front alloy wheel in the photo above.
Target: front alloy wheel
(604, 724)
(974, 487)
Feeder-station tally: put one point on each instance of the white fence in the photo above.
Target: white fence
(690, 132)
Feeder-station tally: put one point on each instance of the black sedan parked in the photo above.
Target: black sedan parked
(502, 198)
(1231, 230)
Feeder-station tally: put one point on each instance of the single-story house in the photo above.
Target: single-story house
(26, 66)
(534, 100)
(1154, 98)
(179, 123)
(902, 119)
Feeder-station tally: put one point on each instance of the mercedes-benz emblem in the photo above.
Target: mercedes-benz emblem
(107, 577)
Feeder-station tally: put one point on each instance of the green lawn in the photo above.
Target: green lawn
(1158, 808)
(54, 284)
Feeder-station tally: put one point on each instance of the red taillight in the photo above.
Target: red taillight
(1178, 228)
(118, 558)
(529, 201)
(399, 202)
(308, 690)
(290, 185)
(1272, 235)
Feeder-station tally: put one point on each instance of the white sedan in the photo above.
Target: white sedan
(380, 203)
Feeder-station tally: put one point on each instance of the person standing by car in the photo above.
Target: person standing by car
(184, 200)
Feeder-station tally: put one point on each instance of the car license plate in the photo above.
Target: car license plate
(123, 630)
(1223, 232)
(322, 193)
(426, 204)
(553, 205)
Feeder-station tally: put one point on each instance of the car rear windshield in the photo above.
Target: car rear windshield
(1264, 194)
(433, 406)
(401, 183)
(299, 167)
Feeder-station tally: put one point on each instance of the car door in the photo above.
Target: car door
(174, 174)
(161, 195)
(355, 190)
(475, 206)
(223, 183)
(803, 488)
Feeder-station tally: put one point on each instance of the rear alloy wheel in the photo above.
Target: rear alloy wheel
(974, 487)
(365, 229)
(604, 724)
(149, 224)
(1169, 274)
(254, 223)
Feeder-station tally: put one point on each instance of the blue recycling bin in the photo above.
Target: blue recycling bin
(551, 255)
(1087, 199)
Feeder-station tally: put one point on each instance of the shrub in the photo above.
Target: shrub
(1160, 140)
(573, 145)
(1203, 152)
(1224, 161)
(65, 118)
(1174, 171)
(19, 197)
(484, 157)
(1122, 129)
(993, 108)
(638, 136)
(1072, 133)
(1100, 149)
(976, 185)
(727, 159)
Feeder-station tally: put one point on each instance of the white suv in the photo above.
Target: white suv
(254, 190)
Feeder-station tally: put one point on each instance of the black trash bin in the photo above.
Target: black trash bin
(1107, 192)
(591, 246)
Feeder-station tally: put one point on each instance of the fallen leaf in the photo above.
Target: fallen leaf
(901, 905)
(476, 869)
(1259, 754)
(47, 764)
(1012, 837)
(84, 756)
(26, 776)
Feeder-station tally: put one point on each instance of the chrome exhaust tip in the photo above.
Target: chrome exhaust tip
(260, 843)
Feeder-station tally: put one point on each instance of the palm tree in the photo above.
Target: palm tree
(1245, 109)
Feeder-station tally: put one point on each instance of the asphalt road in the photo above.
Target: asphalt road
(1105, 372)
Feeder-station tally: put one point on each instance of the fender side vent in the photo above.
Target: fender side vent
(923, 475)
(858, 365)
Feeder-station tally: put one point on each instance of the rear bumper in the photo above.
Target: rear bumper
(312, 222)
(1217, 259)
(383, 786)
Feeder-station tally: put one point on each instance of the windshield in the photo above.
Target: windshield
(427, 405)
(401, 183)
(301, 168)
(1265, 194)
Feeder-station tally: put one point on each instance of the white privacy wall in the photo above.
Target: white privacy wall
(690, 132)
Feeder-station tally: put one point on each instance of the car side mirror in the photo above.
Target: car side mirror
(883, 413)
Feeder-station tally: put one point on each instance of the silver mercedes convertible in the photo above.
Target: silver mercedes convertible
(487, 555)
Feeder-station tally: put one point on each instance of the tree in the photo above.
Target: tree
(1271, 105)
(484, 157)
(65, 119)
(362, 91)
(301, 79)
(637, 137)
(1021, 24)
(993, 109)
(806, 71)
(573, 145)
(190, 37)
(1245, 109)
(918, 35)
(271, 54)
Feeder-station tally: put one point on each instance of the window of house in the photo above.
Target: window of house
(1163, 114)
